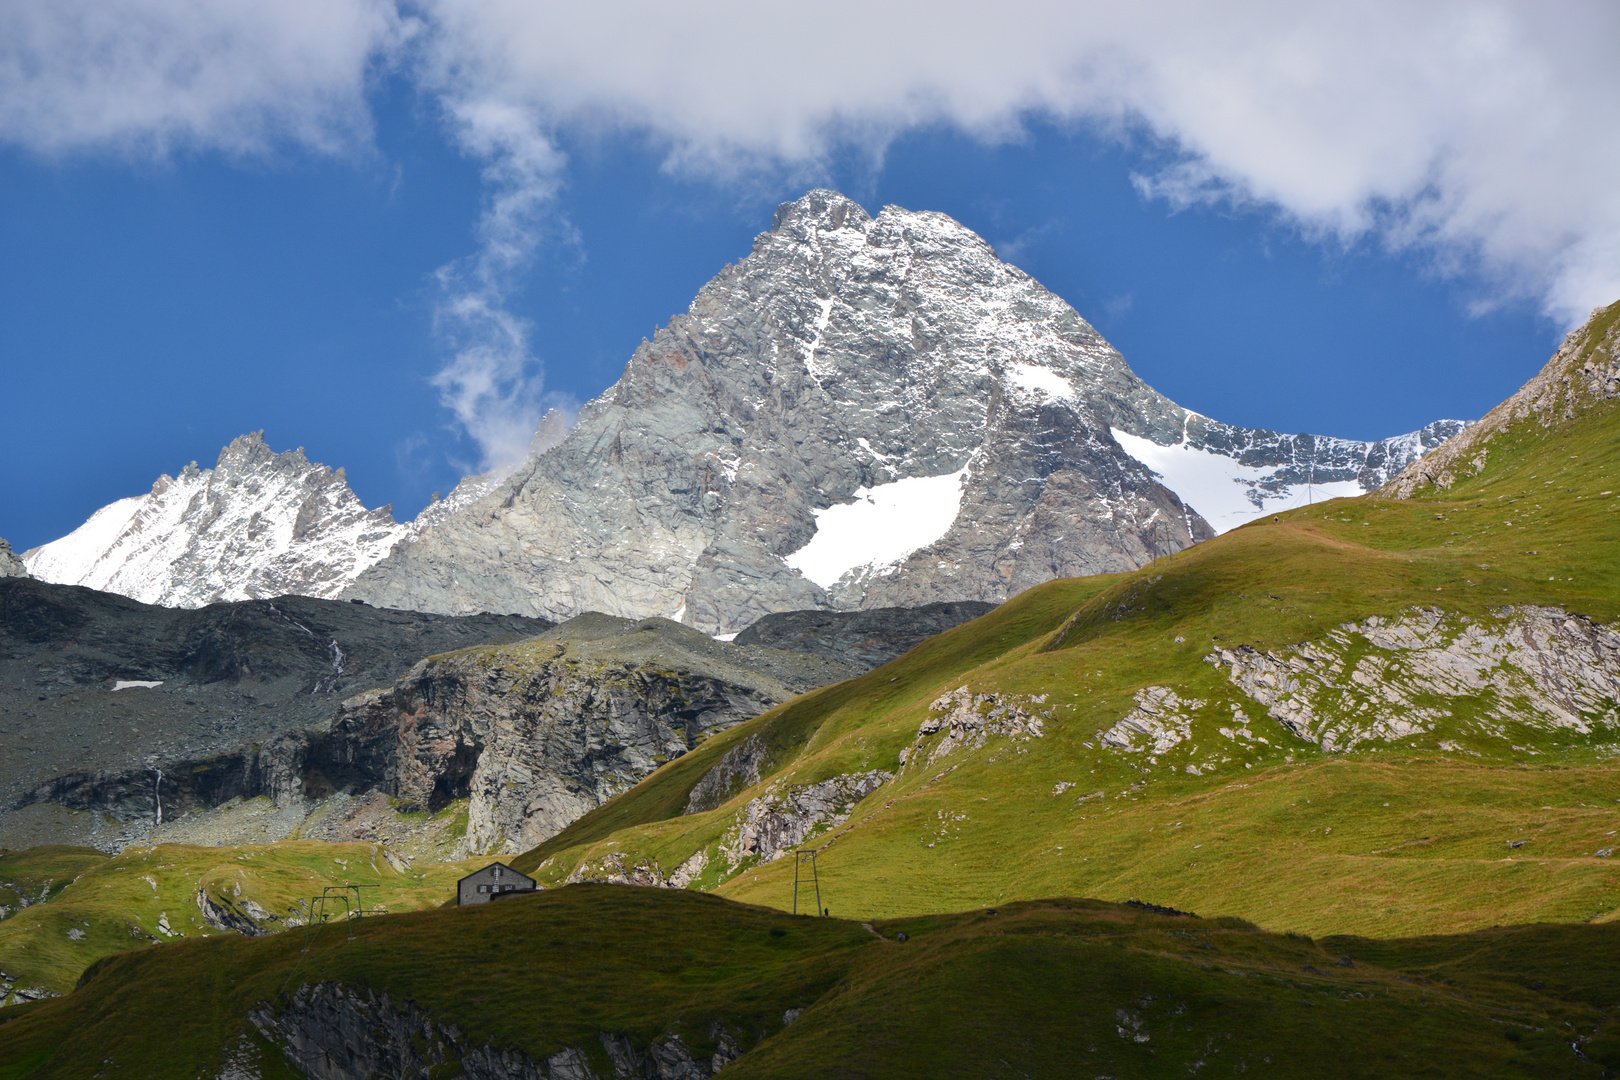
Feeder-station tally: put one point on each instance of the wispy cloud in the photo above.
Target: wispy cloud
(494, 385)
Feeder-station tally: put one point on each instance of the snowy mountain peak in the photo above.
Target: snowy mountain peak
(862, 412)
(257, 524)
(819, 210)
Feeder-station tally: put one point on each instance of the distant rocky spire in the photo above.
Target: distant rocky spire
(10, 564)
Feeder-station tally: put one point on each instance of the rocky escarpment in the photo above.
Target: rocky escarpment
(1520, 682)
(532, 734)
(258, 524)
(10, 564)
(768, 827)
(1523, 669)
(863, 412)
(868, 638)
(117, 706)
(333, 1032)
(785, 816)
(535, 735)
(1585, 371)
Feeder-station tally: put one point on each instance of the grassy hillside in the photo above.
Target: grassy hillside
(1490, 813)
(85, 905)
(1053, 988)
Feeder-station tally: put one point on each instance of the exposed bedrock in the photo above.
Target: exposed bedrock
(537, 735)
(334, 1032)
(1386, 679)
(99, 694)
(11, 564)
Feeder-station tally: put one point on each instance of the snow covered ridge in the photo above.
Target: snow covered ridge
(1229, 476)
(258, 524)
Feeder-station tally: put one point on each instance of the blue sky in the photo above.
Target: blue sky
(171, 281)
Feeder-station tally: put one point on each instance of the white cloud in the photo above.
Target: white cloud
(150, 77)
(1484, 134)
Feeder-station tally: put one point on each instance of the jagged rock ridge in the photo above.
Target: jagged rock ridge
(863, 412)
(258, 524)
(1584, 371)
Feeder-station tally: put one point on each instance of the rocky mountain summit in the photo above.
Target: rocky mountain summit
(863, 412)
(258, 524)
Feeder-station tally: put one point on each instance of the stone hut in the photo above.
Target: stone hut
(496, 879)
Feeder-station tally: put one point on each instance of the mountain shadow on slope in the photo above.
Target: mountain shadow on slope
(95, 683)
(867, 639)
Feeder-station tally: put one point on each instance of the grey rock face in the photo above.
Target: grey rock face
(764, 830)
(841, 356)
(786, 816)
(10, 564)
(537, 734)
(551, 431)
(868, 638)
(1387, 679)
(334, 1032)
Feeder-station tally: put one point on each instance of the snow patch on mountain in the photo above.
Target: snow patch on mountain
(1221, 490)
(880, 527)
(1034, 379)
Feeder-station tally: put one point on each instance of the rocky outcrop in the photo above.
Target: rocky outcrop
(863, 412)
(787, 815)
(868, 638)
(1583, 372)
(332, 1032)
(536, 735)
(258, 524)
(532, 733)
(13, 994)
(234, 913)
(10, 564)
(737, 770)
(1160, 720)
(969, 719)
(1387, 679)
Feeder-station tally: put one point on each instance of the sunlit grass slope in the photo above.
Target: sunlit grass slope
(1398, 837)
(95, 904)
(1052, 988)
